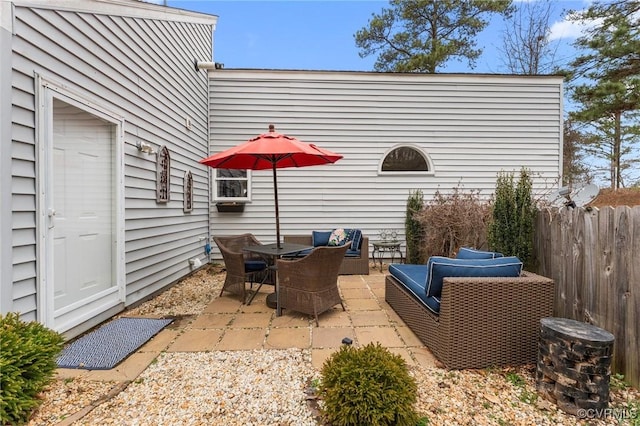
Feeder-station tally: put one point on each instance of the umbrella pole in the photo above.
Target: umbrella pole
(275, 194)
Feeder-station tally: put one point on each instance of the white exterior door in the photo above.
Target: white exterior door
(82, 278)
(83, 205)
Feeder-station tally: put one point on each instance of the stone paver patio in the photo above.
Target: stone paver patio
(228, 325)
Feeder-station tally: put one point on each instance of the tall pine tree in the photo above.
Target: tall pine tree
(422, 35)
(606, 84)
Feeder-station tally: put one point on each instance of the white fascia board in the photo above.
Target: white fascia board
(128, 8)
(327, 75)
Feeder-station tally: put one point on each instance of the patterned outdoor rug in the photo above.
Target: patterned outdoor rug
(105, 347)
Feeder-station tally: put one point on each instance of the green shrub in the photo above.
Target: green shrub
(412, 227)
(514, 212)
(367, 386)
(28, 352)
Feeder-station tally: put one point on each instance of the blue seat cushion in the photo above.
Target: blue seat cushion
(254, 265)
(320, 238)
(471, 253)
(413, 278)
(433, 303)
(440, 267)
(352, 253)
(301, 253)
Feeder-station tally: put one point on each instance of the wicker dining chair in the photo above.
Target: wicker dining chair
(310, 284)
(241, 266)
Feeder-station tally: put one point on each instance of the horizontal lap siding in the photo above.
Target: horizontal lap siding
(23, 197)
(140, 69)
(472, 127)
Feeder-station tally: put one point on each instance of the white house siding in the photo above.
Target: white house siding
(471, 126)
(137, 61)
(6, 290)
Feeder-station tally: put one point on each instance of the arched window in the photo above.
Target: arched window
(406, 159)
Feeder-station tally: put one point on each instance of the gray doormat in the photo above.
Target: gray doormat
(104, 348)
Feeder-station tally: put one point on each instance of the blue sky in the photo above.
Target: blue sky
(319, 35)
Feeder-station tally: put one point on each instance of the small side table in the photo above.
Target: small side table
(382, 247)
(574, 365)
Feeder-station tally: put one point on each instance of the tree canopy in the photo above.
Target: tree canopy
(605, 82)
(423, 35)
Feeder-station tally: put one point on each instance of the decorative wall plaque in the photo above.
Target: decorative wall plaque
(163, 176)
(188, 192)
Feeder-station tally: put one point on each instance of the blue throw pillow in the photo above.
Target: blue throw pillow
(356, 239)
(320, 238)
(471, 253)
(440, 267)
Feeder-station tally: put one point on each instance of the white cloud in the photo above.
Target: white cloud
(565, 29)
(570, 29)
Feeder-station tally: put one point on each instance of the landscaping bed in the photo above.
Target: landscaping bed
(171, 392)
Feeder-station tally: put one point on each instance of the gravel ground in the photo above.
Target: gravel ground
(268, 387)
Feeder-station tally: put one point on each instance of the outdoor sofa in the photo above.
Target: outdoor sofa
(356, 260)
(473, 320)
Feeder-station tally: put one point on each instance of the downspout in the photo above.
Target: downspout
(207, 246)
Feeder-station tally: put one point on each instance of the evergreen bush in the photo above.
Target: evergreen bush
(513, 216)
(367, 386)
(413, 228)
(28, 352)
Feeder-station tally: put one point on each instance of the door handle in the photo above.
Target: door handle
(51, 213)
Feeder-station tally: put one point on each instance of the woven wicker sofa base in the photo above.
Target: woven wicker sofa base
(483, 322)
(350, 265)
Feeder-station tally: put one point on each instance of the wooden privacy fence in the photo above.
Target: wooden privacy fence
(593, 255)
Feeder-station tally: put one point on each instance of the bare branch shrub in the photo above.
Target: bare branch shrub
(454, 220)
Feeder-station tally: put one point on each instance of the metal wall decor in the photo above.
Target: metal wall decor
(163, 175)
(188, 191)
(388, 235)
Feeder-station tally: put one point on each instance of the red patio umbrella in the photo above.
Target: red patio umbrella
(271, 151)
